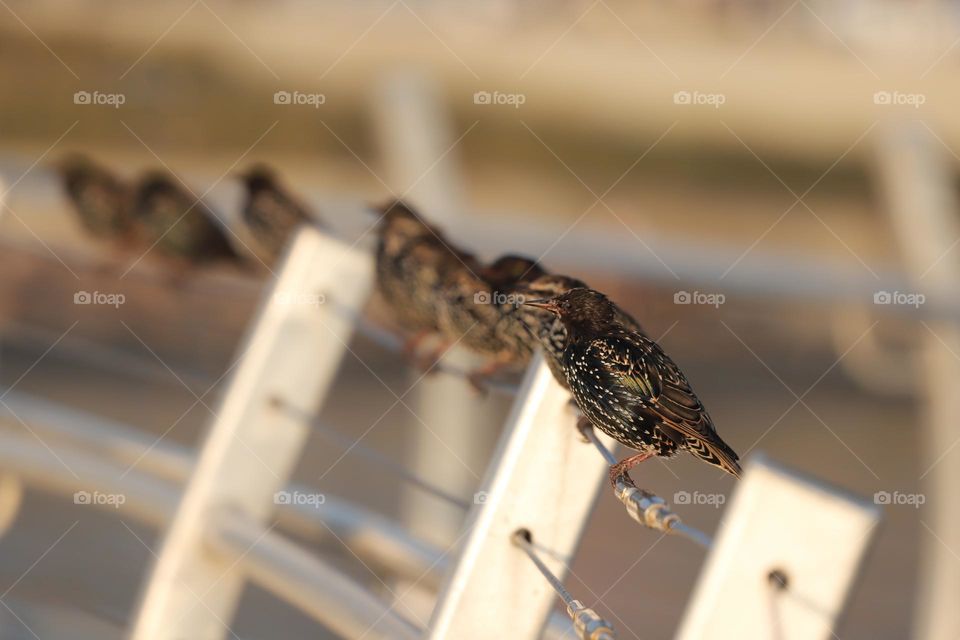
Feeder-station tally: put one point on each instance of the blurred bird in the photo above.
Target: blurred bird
(472, 307)
(501, 280)
(534, 326)
(177, 224)
(271, 212)
(413, 258)
(629, 388)
(100, 199)
(510, 270)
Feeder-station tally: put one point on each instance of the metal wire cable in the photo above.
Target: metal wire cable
(380, 459)
(644, 506)
(589, 625)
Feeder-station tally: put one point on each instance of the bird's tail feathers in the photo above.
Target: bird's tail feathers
(718, 454)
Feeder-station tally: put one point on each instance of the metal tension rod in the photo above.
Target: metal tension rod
(363, 451)
(589, 624)
(645, 507)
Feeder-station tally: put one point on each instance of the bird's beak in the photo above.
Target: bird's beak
(543, 304)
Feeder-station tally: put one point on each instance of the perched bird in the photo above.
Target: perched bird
(271, 212)
(511, 270)
(532, 326)
(472, 311)
(101, 200)
(412, 259)
(469, 316)
(625, 384)
(181, 227)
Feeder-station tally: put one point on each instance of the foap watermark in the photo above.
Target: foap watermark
(299, 98)
(715, 500)
(496, 97)
(714, 100)
(98, 297)
(699, 297)
(96, 498)
(911, 299)
(498, 298)
(480, 497)
(299, 498)
(899, 499)
(299, 298)
(99, 98)
(897, 98)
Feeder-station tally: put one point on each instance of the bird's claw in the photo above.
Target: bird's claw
(619, 478)
(584, 426)
(478, 381)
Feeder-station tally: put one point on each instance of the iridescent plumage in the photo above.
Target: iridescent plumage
(627, 387)
(532, 326)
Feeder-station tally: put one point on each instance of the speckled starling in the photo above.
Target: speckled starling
(533, 326)
(629, 388)
(508, 276)
(469, 317)
(511, 270)
(271, 212)
(176, 224)
(101, 200)
(472, 308)
(412, 259)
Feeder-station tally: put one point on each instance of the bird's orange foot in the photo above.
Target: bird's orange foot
(622, 469)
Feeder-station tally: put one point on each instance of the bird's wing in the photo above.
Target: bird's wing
(646, 383)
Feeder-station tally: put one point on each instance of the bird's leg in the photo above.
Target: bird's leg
(583, 426)
(411, 344)
(428, 364)
(623, 467)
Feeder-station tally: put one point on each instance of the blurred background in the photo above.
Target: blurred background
(769, 187)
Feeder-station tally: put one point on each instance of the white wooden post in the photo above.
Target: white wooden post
(543, 478)
(920, 196)
(293, 351)
(780, 527)
(416, 144)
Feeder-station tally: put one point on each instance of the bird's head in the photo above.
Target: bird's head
(258, 177)
(399, 224)
(510, 270)
(542, 288)
(583, 311)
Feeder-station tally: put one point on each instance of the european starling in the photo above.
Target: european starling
(533, 326)
(511, 270)
(472, 307)
(506, 279)
(100, 198)
(412, 259)
(469, 316)
(180, 227)
(271, 212)
(625, 384)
